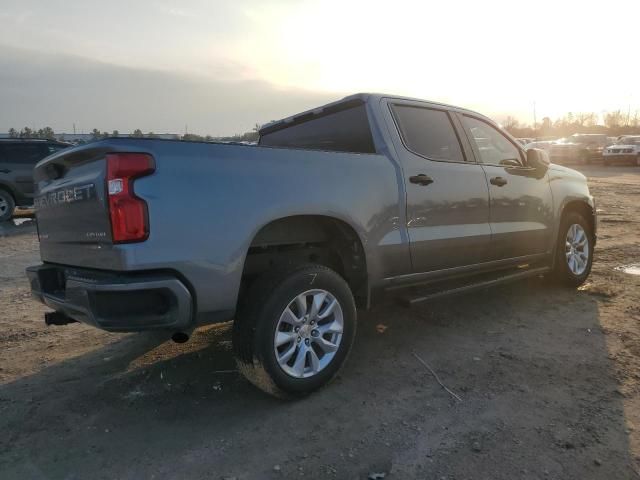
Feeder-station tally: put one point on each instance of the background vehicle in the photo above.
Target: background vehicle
(334, 206)
(541, 144)
(625, 150)
(525, 141)
(579, 148)
(17, 159)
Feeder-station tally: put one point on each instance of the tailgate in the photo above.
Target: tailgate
(70, 203)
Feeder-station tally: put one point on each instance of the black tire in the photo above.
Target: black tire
(257, 318)
(7, 205)
(562, 271)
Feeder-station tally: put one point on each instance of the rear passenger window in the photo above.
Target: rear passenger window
(428, 132)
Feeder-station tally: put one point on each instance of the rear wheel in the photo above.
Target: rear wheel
(574, 252)
(7, 206)
(294, 330)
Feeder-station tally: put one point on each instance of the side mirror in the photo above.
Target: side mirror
(510, 162)
(538, 159)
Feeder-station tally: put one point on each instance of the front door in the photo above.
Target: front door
(521, 202)
(447, 193)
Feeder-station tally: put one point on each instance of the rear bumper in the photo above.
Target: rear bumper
(116, 302)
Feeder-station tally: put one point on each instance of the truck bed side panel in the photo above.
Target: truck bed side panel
(207, 202)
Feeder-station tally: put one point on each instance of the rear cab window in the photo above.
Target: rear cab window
(341, 128)
(428, 132)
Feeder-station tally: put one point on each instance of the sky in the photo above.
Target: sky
(219, 67)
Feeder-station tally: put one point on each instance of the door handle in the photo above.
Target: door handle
(4, 170)
(498, 181)
(421, 179)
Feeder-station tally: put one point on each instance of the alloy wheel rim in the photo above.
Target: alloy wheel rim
(577, 249)
(308, 333)
(4, 205)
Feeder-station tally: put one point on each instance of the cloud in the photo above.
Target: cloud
(38, 89)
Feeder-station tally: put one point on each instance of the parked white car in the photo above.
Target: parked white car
(625, 150)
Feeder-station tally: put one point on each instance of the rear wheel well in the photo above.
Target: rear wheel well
(309, 239)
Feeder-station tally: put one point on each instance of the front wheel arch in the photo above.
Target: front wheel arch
(578, 206)
(584, 209)
(560, 271)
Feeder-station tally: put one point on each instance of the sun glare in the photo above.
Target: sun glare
(487, 55)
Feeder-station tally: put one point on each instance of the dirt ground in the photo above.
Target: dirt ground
(549, 381)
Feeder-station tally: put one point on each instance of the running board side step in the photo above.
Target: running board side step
(408, 301)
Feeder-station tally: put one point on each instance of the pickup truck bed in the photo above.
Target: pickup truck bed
(194, 235)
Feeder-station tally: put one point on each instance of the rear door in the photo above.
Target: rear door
(521, 203)
(447, 194)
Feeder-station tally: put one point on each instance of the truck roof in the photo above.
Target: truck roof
(346, 102)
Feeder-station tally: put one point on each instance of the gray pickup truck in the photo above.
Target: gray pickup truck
(332, 208)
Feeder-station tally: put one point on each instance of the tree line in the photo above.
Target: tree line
(614, 124)
(49, 134)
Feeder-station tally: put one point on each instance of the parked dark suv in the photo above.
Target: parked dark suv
(581, 148)
(17, 159)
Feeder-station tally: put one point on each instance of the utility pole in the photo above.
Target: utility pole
(535, 120)
(74, 128)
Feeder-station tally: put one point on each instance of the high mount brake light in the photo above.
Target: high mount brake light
(127, 212)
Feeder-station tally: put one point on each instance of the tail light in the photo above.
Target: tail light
(128, 213)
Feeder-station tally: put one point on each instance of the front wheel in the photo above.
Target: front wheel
(294, 330)
(574, 252)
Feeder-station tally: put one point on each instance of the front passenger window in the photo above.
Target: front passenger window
(494, 147)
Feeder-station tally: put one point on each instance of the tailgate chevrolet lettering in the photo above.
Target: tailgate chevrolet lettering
(65, 195)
